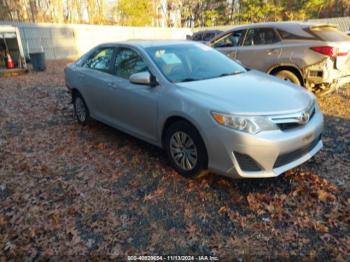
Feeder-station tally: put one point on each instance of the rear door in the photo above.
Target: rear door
(228, 43)
(94, 75)
(261, 49)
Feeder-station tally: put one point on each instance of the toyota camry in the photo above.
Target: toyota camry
(206, 111)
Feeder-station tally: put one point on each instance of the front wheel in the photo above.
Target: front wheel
(185, 149)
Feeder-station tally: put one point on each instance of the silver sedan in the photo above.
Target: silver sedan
(205, 110)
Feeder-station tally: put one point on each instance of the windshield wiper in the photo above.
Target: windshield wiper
(188, 80)
(222, 75)
(231, 74)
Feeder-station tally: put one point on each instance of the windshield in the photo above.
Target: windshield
(192, 62)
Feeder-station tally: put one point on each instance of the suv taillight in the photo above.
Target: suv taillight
(329, 51)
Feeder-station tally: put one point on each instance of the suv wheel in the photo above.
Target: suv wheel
(185, 149)
(80, 109)
(288, 76)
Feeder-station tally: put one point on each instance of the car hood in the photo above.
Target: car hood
(248, 93)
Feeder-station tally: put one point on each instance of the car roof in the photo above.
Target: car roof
(281, 25)
(150, 43)
(208, 31)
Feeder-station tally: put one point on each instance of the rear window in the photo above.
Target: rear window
(330, 34)
(298, 35)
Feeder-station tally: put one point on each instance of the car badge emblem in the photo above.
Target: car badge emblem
(304, 118)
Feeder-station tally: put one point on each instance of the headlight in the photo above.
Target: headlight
(248, 124)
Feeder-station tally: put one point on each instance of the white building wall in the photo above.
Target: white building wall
(64, 41)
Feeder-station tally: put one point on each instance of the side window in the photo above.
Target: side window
(299, 34)
(100, 60)
(288, 35)
(128, 62)
(261, 36)
(232, 39)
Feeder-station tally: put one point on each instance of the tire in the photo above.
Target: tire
(288, 76)
(183, 142)
(81, 111)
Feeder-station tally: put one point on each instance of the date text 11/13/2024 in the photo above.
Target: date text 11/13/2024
(173, 258)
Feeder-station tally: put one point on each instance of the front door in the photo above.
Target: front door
(228, 43)
(136, 106)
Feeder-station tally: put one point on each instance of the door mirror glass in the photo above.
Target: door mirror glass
(142, 78)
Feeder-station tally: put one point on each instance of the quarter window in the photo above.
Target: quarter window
(261, 36)
(298, 35)
(100, 60)
(128, 62)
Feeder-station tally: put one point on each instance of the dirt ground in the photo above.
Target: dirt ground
(68, 191)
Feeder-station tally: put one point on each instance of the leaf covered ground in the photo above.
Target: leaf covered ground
(69, 191)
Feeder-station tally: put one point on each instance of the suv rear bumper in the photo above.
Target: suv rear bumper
(324, 74)
(343, 81)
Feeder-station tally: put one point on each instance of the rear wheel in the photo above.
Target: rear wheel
(288, 76)
(80, 109)
(185, 149)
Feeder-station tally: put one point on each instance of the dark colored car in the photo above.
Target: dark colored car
(205, 36)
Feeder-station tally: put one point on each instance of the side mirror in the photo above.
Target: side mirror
(143, 78)
(220, 44)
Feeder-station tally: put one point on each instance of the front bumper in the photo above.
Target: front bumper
(267, 154)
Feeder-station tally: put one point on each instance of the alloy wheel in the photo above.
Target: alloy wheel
(183, 151)
(80, 109)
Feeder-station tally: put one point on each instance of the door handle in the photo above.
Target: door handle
(112, 85)
(231, 54)
(272, 51)
(81, 75)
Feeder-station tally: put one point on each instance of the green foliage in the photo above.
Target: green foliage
(304, 9)
(222, 12)
(276, 10)
(214, 13)
(136, 12)
(144, 12)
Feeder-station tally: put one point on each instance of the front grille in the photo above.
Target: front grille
(292, 156)
(291, 125)
(287, 126)
(247, 163)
